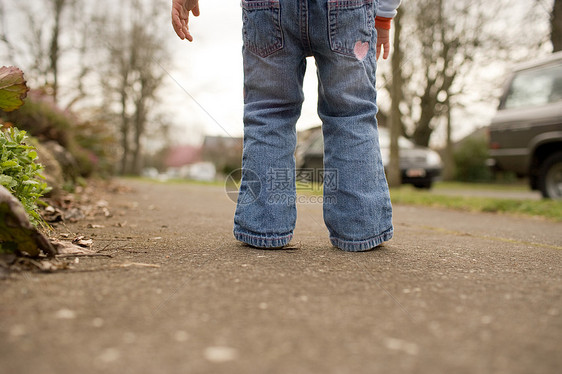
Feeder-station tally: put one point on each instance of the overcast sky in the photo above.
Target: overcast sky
(210, 70)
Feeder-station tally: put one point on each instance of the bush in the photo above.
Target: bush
(87, 142)
(41, 118)
(470, 161)
(97, 139)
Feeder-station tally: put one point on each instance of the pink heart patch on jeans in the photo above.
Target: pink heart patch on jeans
(361, 49)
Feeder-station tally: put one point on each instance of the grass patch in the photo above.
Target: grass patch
(512, 187)
(551, 209)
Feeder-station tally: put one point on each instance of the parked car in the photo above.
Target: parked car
(419, 166)
(526, 132)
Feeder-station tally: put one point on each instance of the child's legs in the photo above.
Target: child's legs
(357, 208)
(273, 74)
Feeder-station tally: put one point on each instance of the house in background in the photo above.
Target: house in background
(182, 155)
(223, 152)
(186, 162)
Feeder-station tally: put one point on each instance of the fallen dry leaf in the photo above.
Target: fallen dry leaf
(68, 248)
(82, 242)
(139, 264)
(52, 214)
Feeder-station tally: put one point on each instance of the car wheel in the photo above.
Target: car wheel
(423, 185)
(550, 177)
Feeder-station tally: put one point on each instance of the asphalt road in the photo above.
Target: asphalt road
(453, 292)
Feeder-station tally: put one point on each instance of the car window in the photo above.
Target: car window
(535, 88)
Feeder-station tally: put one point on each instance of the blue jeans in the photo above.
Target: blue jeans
(340, 35)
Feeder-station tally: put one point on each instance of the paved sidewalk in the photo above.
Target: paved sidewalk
(453, 292)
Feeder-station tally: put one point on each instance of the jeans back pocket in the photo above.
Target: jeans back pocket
(350, 21)
(261, 30)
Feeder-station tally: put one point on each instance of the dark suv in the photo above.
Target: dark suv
(526, 132)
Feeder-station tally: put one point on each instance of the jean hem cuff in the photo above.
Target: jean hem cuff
(362, 245)
(263, 241)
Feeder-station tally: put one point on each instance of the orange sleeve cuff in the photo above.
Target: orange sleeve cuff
(382, 22)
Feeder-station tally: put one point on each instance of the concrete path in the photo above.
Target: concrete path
(453, 292)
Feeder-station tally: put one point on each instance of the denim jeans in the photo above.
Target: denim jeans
(278, 36)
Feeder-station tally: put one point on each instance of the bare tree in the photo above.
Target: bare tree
(46, 41)
(133, 74)
(58, 6)
(447, 46)
(46, 44)
(451, 33)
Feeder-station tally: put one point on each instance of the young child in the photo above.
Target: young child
(341, 35)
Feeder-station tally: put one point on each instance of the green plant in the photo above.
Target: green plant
(19, 173)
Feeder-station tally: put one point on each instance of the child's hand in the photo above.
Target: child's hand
(180, 16)
(383, 42)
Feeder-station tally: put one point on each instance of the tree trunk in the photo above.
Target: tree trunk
(54, 50)
(139, 131)
(124, 129)
(556, 26)
(448, 162)
(423, 130)
(393, 169)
